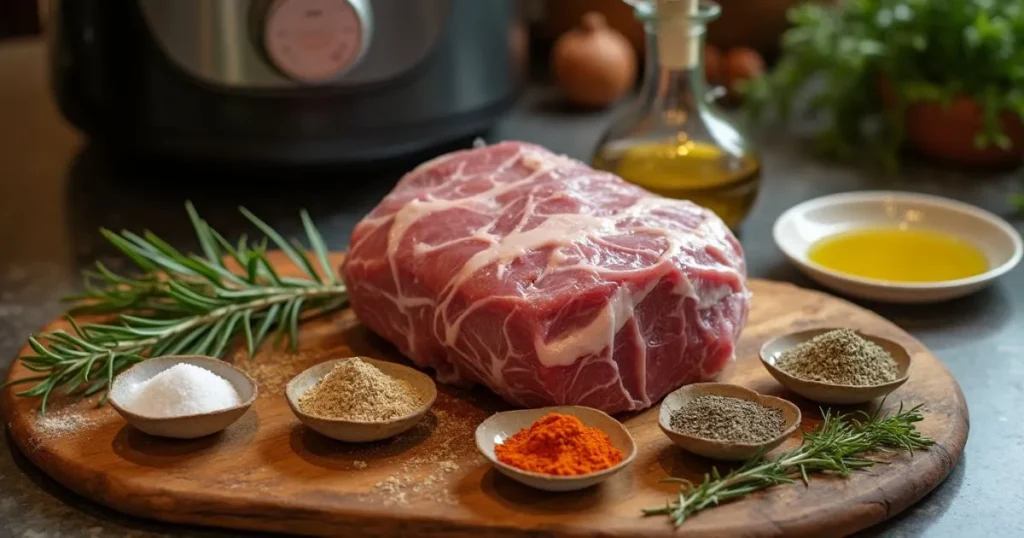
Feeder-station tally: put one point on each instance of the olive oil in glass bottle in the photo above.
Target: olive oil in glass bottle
(673, 141)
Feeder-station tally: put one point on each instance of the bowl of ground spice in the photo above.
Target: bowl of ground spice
(562, 448)
(836, 366)
(726, 422)
(359, 399)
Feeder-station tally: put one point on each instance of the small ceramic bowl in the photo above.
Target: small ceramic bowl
(353, 431)
(805, 224)
(828, 392)
(725, 450)
(501, 426)
(188, 426)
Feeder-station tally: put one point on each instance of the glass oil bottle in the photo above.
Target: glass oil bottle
(673, 141)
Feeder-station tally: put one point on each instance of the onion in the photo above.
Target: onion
(593, 65)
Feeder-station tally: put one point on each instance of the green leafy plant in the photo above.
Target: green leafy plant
(837, 445)
(181, 303)
(836, 56)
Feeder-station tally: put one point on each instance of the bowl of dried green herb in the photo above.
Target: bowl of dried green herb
(726, 422)
(836, 366)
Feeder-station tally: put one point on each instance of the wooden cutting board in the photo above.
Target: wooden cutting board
(267, 472)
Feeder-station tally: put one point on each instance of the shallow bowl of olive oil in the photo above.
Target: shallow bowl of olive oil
(897, 247)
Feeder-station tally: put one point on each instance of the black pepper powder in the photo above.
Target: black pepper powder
(724, 418)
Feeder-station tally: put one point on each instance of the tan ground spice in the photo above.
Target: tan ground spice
(840, 357)
(358, 390)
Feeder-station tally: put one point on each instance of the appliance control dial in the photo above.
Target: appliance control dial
(315, 41)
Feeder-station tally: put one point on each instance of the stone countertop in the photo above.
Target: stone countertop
(56, 191)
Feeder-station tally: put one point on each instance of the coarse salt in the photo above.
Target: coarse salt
(182, 389)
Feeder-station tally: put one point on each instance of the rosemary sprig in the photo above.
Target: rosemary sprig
(837, 445)
(181, 304)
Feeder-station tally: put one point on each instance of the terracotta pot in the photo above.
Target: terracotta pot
(947, 132)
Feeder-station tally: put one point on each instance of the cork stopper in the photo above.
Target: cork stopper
(678, 44)
(671, 8)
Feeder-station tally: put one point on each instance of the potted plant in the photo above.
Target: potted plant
(943, 77)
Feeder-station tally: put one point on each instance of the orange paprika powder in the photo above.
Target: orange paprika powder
(558, 444)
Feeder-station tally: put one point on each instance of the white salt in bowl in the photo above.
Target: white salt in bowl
(186, 426)
(828, 392)
(500, 426)
(355, 431)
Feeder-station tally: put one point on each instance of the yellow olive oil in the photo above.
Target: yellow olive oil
(695, 171)
(899, 255)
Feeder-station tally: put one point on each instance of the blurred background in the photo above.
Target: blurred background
(19, 17)
(141, 104)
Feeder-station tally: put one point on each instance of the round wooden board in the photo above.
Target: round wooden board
(267, 472)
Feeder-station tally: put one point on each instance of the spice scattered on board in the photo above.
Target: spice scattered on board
(60, 424)
(358, 390)
(724, 418)
(183, 389)
(561, 445)
(840, 357)
(430, 473)
(71, 418)
(273, 369)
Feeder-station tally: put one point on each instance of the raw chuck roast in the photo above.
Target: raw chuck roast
(547, 281)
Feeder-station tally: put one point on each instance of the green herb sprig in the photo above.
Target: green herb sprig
(181, 304)
(837, 445)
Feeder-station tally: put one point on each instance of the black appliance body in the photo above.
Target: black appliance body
(285, 81)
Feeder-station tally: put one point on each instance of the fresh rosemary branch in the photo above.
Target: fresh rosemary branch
(837, 445)
(181, 304)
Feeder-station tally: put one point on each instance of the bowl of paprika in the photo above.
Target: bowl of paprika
(562, 448)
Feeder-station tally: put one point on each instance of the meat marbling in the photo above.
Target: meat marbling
(547, 281)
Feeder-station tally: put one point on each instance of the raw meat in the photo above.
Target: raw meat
(547, 281)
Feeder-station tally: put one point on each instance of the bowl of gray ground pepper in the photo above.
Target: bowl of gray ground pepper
(726, 422)
(836, 366)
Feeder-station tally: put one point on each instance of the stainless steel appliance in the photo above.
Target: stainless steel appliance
(285, 81)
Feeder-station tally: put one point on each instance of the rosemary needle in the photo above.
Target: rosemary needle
(837, 445)
(181, 303)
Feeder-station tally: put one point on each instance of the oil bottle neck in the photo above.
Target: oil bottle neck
(674, 67)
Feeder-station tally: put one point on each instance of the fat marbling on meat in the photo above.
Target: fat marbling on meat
(547, 281)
